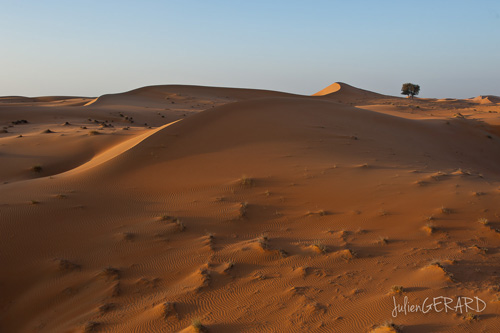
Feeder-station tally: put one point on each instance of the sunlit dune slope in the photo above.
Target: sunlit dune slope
(343, 91)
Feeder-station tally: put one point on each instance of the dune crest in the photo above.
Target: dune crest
(343, 90)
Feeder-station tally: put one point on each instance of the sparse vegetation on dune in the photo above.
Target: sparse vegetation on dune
(388, 326)
(169, 311)
(320, 212)
(397, 289)
(319, 247)
(110, 273)
(263, 241)
(242, 209)
(180, 225)
(246, 181)
(470, 316)
(383, 240)
(430, 228)
(91, 326)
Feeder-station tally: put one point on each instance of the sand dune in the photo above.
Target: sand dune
(166, 95)
(488, 99)
(343, 91)
(247, 210)
(46, 100)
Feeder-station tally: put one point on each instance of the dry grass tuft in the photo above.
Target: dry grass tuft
(483, 221)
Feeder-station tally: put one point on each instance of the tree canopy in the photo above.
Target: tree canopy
(410, 89)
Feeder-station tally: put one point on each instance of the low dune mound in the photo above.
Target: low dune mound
(166, 95)
(344, 92)
(46, 100)
(486, 99)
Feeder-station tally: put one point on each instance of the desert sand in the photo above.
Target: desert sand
(183, 208)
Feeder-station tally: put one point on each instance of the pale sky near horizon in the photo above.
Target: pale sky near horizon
(90, 48)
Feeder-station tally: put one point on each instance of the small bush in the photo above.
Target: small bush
(246, 181)
(430, 228)
(383, 240)
(111, 273)
(263, 242)
(198, 326)
(471, 317)
(242, 210)
(397, 289)
(392, 326)
(180, 225)
(320, 247)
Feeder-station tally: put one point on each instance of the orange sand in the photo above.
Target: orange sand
(248, 210)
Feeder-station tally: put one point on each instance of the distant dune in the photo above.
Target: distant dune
(166, 94)
(187, 208)
(488, 99)
(344, 91)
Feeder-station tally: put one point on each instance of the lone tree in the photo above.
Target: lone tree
(410, 89)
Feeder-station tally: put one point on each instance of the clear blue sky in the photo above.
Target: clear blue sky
(88, 48)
